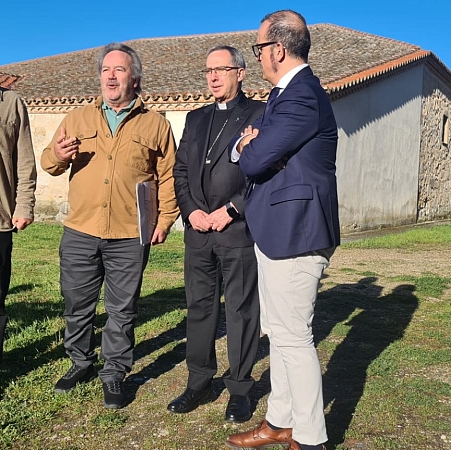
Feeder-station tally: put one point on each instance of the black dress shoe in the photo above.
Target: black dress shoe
(191, 399)
(238, 409)
(75, 375)
(114, 395)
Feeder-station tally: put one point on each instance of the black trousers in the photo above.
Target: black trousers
(87, 262)
(205, 269)
(6, 246)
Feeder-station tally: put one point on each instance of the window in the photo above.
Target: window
(445, 130)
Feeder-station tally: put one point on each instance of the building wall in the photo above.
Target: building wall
(378, 152)
(389, 172)
(434, 199)
(51, 192)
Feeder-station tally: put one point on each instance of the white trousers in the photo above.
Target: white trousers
(288, 289)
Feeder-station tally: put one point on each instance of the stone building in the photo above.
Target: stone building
(392, 101)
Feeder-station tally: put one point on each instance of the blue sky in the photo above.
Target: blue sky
(34, 29)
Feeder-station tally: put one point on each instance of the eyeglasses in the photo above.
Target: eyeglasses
(220, 71)
(257, 48)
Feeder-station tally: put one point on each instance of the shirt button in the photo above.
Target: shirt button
(106, 181)
(108, 135)
(104, 205)
(81, 136)
(109, 157)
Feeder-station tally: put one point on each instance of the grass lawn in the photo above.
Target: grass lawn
(382, 328)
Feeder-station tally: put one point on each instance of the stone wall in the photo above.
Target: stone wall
(434, 198)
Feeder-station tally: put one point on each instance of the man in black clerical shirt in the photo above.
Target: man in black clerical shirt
(210, 191)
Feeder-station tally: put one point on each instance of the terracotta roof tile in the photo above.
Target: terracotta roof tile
(7, 81)
(171, 66)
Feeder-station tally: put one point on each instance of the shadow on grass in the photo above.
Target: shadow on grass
(377, 322)
(22, 360)
(151, 307)
(28, 314)
(168, 360)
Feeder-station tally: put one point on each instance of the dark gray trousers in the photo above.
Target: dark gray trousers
(205, 269)
(6, 246)
(87, 262)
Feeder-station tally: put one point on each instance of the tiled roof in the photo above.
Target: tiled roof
(340, 57)
(7, 80)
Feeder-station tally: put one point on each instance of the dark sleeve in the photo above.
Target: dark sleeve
(182, 190)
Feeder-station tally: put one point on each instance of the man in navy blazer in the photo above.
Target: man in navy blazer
(210, 191)
(288, 157)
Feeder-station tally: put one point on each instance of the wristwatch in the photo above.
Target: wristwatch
(231, 211)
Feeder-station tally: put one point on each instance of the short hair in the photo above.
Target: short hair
(237, 56)
(136, 66)
(289, 28)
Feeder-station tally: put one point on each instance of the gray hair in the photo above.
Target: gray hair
(237, 56)
(136, 66)
(289, 28)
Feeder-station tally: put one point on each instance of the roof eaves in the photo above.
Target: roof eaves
(342, 86)
(160, 102)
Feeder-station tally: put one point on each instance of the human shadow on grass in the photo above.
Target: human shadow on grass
(24, 359)
(151, 307)
(28, 316)
(376, 323)
(177, 354)
(167, 360)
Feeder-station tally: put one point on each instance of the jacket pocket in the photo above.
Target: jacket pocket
(290, 193)
(88, 147)
(141, 153)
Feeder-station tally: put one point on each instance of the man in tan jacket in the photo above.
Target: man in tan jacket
(109, 147)
(17, 186)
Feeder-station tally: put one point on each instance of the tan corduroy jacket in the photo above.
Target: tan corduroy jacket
(104, 173)
(17, 163)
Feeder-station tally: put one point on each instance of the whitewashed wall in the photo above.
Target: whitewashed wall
(378, 152)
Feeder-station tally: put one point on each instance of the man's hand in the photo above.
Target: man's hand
(66, 148)
(158, 237)
(199, 221)
(281, 164)
(252, 133)
(219, 219)
(21, 223)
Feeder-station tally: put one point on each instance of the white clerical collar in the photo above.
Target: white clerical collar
(230, 104)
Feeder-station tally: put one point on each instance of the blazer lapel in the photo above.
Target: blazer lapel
(236, 120)
(203, 135)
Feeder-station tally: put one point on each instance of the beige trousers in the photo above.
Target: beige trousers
(288, 289)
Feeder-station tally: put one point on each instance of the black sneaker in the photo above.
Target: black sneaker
(75, 375)
(114, 395)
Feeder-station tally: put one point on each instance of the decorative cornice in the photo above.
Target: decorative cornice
(163, 102)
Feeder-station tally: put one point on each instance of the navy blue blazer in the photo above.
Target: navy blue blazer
(294, 210)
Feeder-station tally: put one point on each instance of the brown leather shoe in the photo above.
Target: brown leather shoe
(261, 437)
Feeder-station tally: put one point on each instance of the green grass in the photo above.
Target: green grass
(416, 237)
(427, 284)
(383, 340)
